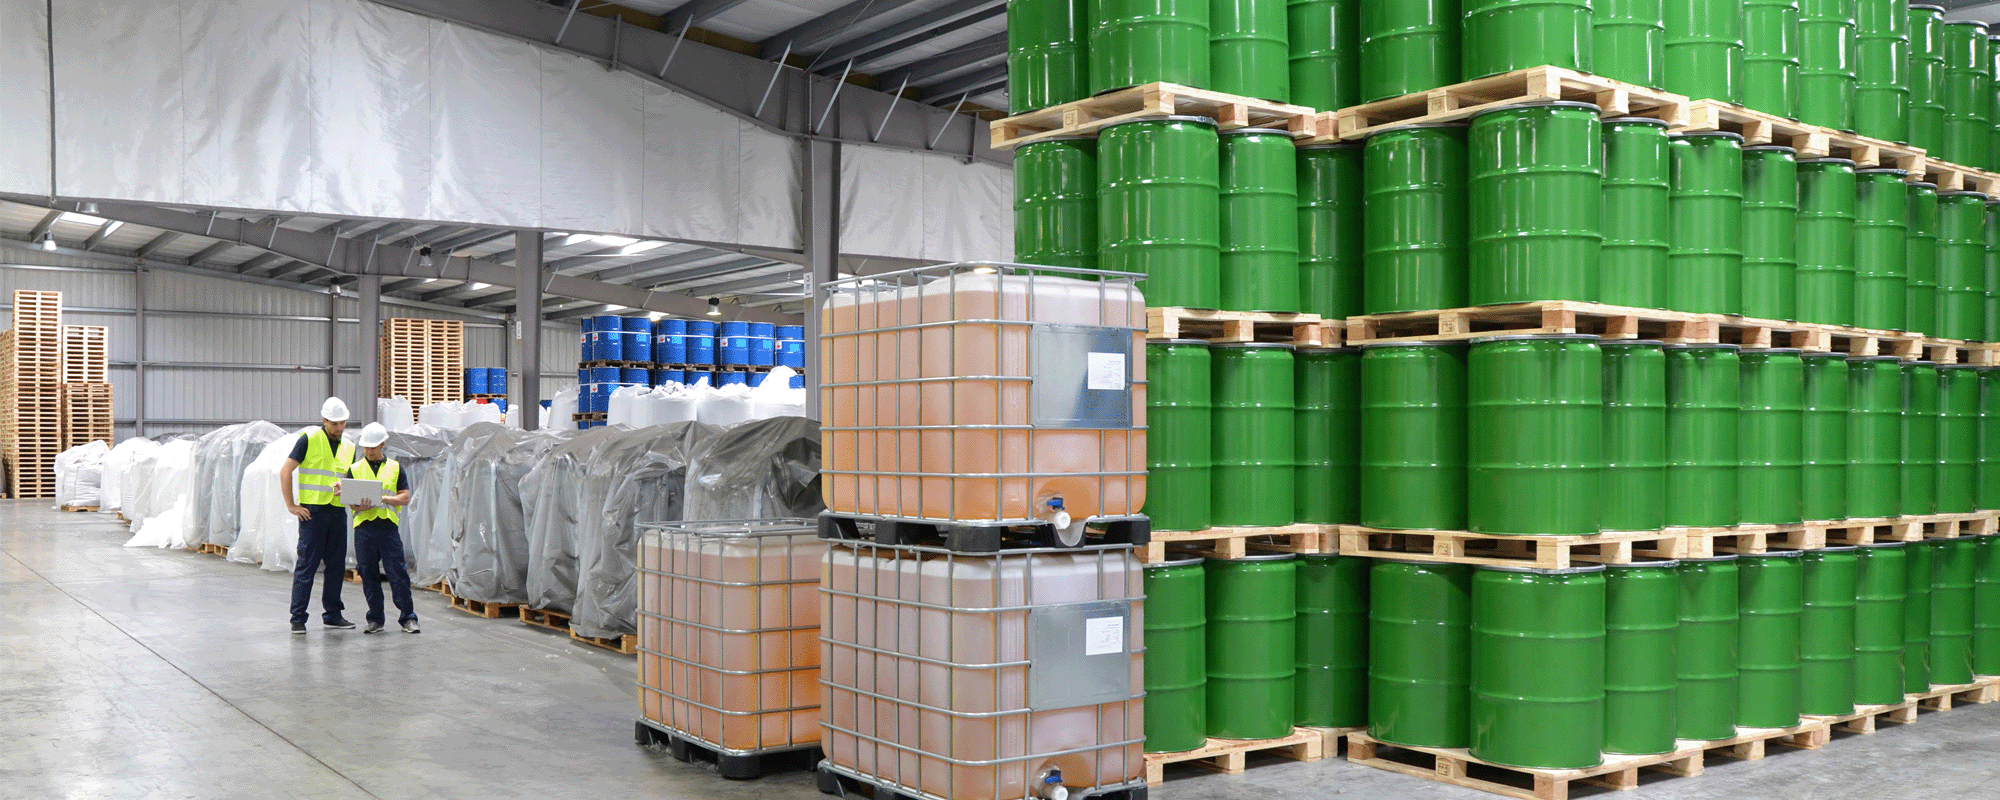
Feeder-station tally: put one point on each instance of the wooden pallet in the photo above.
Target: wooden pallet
(1457, 766)
(1154, 100)
(1983, 689)
(1234, 327)
(1543, 317)
(1945, 526)
(1541, 552)
(212, 549)
(1464, 100)
(543, 618)
(478, 608)
(1239, 542)
(1951, 177)
(1816, 338)
(85, 354)
(627, 644)
(438, 587)
(1954, 351)
(1228, 756)
(1811, 141)
(1746, 539)
(1855, 531)
(78, 508)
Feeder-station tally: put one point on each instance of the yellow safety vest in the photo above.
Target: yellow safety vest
(390, 469)
(319, 475)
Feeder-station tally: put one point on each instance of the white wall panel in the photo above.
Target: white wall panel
(24, 106)
(770, 190)
(118, 126)
(371, 83)
(94, 289)
(693, 169)
(233, 340)
(486, 128)
(247, 87)
(928, 207)
(593, 154)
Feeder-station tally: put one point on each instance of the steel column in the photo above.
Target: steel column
(525, 394)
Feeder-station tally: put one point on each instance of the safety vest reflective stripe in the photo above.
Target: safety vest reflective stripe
(321, 469)
(390, 469)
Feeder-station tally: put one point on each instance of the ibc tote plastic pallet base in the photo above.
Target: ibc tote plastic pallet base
(1230, 756)
(972, 537)
(840, 783)
(733, 766)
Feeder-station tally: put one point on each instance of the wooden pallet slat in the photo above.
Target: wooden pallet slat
(1542, 317)
(1464, 100)
(1229, 756)
(1303, 538)
(1543, 552)
(1236, 327)
(1151, 101)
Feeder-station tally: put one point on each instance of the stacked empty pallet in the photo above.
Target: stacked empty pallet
(85, 396)
(30, 397)
(423, 360)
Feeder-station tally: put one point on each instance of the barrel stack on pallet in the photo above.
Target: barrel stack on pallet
(31, 427)
(1623, 411)
(422, 360)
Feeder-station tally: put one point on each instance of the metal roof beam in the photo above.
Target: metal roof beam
(900, 36)
(209, 252)
(951, 89)
(406, 283)
(994, 85)
(563, 265)
(619, 273)
(772, 280)
(685, 277)
(579, 311)
(104, 231)
(801, 38)
(41, 228)
(477, 237)
(148, 249)
(972, 53)
(693, 13)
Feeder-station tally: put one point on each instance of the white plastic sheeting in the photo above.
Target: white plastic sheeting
(349, 108)
(268, 534)
(164, 513)
(80, 474)
(455, 415)
(118, 468)
(394, 413)
(937, 208)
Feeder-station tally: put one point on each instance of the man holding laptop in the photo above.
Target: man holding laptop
(375, 487)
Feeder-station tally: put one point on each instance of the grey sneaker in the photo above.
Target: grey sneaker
(373, 627)
(410, 626)
(299, 628)
(340, 623)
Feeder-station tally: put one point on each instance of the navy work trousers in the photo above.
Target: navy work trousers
(322, 547)
(378, 551)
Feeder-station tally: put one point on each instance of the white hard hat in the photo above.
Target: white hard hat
(374, 435)
(333, 410)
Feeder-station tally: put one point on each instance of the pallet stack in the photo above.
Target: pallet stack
(86, 385)
(423, 360)
(30, 394)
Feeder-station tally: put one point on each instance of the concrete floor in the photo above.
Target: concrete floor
(166, 674)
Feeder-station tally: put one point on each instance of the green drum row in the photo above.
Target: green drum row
(1247, 648)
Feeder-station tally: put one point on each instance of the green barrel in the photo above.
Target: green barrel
(1920, 259)
(1158, 194)
(1419, 653)
(1968, 95)
(1770, 220)
(1917, 616)
(1414, 232)
(1134, 42)
(1874, 436)
(1538, 666)
(1993, 80)
(1926, 77)
(1047, 63)
(1827, 63)
(1629, 37)
(1826, 631)
(1249, 54)
(1534, 435)
(1325, 41)
(1988, 495)
(1961, 266)
(1634, 215)
(1773, 600)
(1826, 241)
(1328, 425)
(1260, 220)
(1880, 239)
(1704, 49)
(1635, 435)
(1330, 230)
(1254, 445)
(1536, 175)
(1705, 649)
(1703, 404)
(1881, 70)
(1408, 46)
(1986, 606)
(1176, 656)
(1921, 405)
(1990, 320)
(1954, 570)
(1878, 623)
(1771, 430)
(1180, 455)
(1413, 430)
(1055, 203)
(1252, 626)
(1771, 57)
(1641, 617)
(1823, 447)
(1332, 646)
(1506, 35)
(1705, 264)
(1958, 439)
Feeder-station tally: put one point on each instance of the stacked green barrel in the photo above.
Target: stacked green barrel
(1927, 77)
(1882, 85)
(1771, 62)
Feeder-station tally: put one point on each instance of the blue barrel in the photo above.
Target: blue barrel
(588, 401)
(604, 375)
(638, 324)
(798, 381)
(582, 376)
(607, 345)
(757, 378)
(695, 376)
(583, 349)
(670, 342)
(668, 377)
(496, 380)
(502, 403)
(734, 379)
(700, 342)
(732, 344)
(763, 344)
(636, 377)
(475, 381)
(638, 346)
(791, 346)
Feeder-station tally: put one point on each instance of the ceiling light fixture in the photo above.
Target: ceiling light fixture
(655, 315)
(425, 261)
(88, 208)
(48, 241)
(714, 307)
(476, 286)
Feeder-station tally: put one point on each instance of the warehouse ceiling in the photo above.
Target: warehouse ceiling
(947, 53)
(659, 266)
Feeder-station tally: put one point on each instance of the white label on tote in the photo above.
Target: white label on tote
(1106, 372)
(1103, 636)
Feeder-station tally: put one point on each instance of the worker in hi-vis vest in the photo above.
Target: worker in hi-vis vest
(320, 459)
(378, 543)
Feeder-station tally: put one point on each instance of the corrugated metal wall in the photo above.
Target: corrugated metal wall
(237, 351)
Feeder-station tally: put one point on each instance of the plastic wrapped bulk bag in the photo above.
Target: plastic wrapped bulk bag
(431, 520)
(640, 478)
(490, 562)
(767, 469)
(722, 407)
(169, 486)
(394, 413)
(552, 495)
(444, 415)
(481, 412)
(117, 465)
(560, 415)
(624, 406)
(677, 404)
(221, 458)
(80, 474)
(267, 534)
(775, 397)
